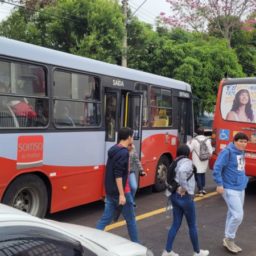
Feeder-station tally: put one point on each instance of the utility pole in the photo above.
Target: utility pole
(124, 50)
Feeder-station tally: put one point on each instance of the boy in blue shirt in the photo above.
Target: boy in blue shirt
(229, 174)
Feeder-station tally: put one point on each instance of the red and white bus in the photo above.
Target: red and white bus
(236, 112)
(60, 113)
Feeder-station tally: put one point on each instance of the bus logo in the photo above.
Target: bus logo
(30, 151)
(117, 82)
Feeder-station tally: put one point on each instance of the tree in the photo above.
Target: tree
(92, 28)
(197, 14)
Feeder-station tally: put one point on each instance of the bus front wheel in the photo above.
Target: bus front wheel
(28, 193)
(161, 173)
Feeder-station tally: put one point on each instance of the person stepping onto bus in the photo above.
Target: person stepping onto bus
(118, 194)
(136, 170)
(201, 149)
(183, 204)
(229, 174)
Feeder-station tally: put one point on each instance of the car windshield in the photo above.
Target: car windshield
(34, 241)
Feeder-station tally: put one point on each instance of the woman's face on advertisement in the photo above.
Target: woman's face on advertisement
(244, 98)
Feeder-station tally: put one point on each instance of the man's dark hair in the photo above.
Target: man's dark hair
(240, 136)
(124, 133)
(183, 150)
(200, 131)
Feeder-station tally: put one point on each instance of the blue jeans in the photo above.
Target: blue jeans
(111, 204)
(235, 203)
(133, 183)
(200, 179)
(183, 205)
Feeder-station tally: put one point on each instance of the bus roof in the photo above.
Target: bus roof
(241, 80)
(25, 51)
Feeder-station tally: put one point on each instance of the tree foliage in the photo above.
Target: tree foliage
(92, 28)
(197, 14)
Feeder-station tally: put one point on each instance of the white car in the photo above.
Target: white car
(24, 235)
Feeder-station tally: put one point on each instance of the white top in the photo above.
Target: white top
(202, 166)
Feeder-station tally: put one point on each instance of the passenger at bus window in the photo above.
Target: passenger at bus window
(242, 107)
(4, 100)
(22, 108)
(110, 126)
(42, 112)
(62, 114)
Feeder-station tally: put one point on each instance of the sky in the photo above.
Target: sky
(147, 12)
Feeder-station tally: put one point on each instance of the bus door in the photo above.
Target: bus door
(111, 118)
(131, 116)
(185, 125)
(122, 109)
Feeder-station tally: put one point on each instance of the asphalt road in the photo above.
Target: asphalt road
(155, 221)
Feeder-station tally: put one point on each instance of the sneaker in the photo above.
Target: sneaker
(239, 249)
(201, 194)
(230, 245)
(204, 192)
(201, 253)
(171, 253)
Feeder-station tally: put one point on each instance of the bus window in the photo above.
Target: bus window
(77, 100)
(25, 102)
(161, 107)
(85, 87)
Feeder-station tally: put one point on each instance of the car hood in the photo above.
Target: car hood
(110, 242)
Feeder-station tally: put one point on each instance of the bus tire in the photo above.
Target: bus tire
(28, 193)
(161, 173)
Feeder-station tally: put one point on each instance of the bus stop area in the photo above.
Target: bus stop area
(154, 221)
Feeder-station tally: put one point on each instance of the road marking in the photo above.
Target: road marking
(153, 213)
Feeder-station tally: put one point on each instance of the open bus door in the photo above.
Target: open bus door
(185, 122)
(122, 108)
(133, 116)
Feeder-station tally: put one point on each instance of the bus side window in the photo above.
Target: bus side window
(62, 116)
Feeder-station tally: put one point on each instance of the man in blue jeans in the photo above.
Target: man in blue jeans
(229, 174)
(118, 194)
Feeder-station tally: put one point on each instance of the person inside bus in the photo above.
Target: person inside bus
(62, 114)
(242, 107)
(3, 89)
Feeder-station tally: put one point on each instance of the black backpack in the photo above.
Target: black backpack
(171, 183)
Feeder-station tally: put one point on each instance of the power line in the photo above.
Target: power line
(143, 11)
(59, 17)
(139, 7)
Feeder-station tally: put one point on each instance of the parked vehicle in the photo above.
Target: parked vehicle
(24, 234)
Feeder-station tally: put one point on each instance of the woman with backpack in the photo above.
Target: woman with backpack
(183, 203)
(201, 149)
